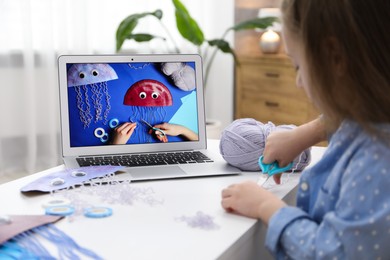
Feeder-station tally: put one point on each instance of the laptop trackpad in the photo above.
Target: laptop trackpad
(156, 172)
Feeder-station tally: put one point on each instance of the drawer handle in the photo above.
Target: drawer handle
(272, 75)
(271, 104)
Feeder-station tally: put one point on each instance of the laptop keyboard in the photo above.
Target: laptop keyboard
(135, 160)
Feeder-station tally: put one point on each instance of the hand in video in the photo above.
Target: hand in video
(173, 130)
(122, 133)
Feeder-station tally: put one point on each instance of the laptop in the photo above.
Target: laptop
(144, 112)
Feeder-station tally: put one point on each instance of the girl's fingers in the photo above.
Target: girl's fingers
(277, 178)
(226, 193)
(226, 204)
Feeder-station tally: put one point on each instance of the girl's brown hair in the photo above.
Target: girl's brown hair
(359, 32)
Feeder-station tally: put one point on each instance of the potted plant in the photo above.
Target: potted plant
(189, 30)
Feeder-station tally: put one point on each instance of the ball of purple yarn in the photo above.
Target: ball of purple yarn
(243, 142)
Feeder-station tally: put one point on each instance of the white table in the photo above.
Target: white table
(142, 231)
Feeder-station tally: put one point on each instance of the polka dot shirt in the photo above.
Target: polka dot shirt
(343, 203)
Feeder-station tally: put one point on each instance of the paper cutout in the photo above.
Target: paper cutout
(69, 178)
(110, 191)
(28, 245)
(22, 223)
(200, 220)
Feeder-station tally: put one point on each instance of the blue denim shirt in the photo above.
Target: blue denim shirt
(343, 203)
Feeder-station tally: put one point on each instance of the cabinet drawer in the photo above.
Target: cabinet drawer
(269, 78)
(280, 109)
(266, 91)
(294, 94)
(271, 72)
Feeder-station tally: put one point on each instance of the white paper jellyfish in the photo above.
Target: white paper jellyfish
(94, 77)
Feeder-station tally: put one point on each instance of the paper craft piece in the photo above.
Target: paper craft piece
(112, 192)
(20, 223)
(200, 220)
(69, 178)
(26, 245)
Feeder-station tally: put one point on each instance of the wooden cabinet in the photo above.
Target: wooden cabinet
(265, 84)
(265, 90)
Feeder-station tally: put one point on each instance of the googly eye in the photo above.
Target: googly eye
(78, 174)
(155, 95)
(57, 181)
(142, 95)
(95, 73)
(81, 75)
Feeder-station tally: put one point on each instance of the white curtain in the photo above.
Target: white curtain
(33, 33)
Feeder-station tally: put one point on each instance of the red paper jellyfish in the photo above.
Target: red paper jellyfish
(147, 98)
(148, 93)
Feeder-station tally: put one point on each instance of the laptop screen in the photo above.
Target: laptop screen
(130, 102)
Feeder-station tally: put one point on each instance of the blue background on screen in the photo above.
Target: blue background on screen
(183, 110)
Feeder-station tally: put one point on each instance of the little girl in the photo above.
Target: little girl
(341, 51)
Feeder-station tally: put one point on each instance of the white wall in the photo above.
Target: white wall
(33, 33)
(219, 94)
(214, 18)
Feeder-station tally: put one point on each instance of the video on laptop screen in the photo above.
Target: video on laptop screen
(131, 103)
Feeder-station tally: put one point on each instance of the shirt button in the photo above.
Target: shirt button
(304, 186)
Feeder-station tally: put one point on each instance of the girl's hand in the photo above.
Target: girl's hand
(251, 200)
(282, 146)
(285, 145)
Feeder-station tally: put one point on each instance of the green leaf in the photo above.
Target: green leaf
(223, 46)
(127, 26)
(260, 23)
(186, 25)
(143, 37)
